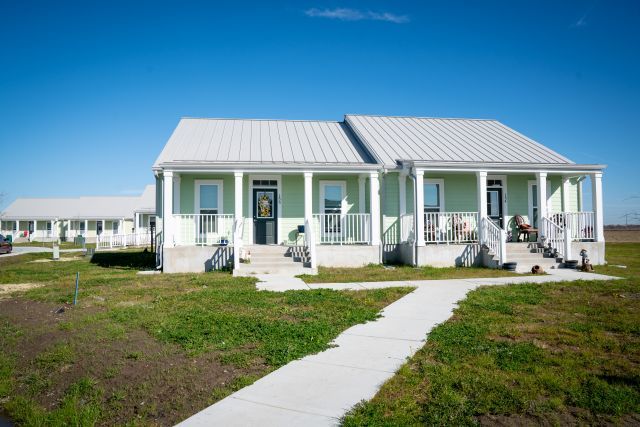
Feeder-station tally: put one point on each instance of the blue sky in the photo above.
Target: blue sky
(90, 91)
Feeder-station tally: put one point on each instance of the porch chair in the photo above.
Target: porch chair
(524, 228)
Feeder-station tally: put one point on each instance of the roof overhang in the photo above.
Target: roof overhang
(207, 167)
(557, 168)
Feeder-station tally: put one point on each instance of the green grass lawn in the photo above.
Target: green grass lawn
(379, 273)
(559, 353)
(150, 349)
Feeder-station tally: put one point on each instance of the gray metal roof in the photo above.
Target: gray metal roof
(393, 139)
(262, 142)
(92, 207)
(147, 201)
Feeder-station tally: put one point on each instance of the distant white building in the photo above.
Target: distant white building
(48, 219)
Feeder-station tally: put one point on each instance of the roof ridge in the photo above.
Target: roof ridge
(260, 120)
(422, 117)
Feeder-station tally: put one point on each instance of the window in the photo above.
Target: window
(114, 227)
(15, 225)
(82, 226)
(208, 197)
(265, 182)
(332, 199)
(433, 195)
(49, 226)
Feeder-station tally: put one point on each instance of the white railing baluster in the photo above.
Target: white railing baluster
(450, 227)
(343, 229)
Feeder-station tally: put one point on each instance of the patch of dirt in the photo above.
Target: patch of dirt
(9, 288)
(65, 259)
(622, 235)
(143, 380)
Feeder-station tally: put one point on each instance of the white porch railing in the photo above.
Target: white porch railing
(450, 227)
(343, 229)
(553, 234)
(407, 233)
(109, 241)
(580, 225)
(495, 239)
(200, 229)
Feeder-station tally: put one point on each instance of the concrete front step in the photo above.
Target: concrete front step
(252, 269)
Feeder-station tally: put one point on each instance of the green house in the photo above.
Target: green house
(284, 196)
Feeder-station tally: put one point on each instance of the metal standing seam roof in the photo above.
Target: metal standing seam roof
(91, 207)
(147, 201)
(233, 141)
(392, 139)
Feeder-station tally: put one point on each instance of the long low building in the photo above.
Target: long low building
(48, 219)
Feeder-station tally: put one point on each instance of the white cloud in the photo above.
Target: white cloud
(346, 14)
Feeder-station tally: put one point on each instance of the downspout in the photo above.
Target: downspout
(414, 252)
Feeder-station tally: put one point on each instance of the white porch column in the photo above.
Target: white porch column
(238, 196)
(541, 182)
(596, 194)
(86, 227)
(481, 179)
(419, 211)
(308, 197)
(17, 226)
(362, 201)
(566, 188)
(176, 194)
(104, 226)
(167, 209)
(374, 199)
(35, 229)
(402, 190)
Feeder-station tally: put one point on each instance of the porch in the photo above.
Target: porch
(485, 207)
(304, 210)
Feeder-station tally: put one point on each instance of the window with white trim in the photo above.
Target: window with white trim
(332, 204)
(208, 198)
(82, 227)
(433, 195)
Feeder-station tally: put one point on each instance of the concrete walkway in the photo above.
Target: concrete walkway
(319, 389)
(21, 250)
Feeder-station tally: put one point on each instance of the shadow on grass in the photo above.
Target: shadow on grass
(135, 260)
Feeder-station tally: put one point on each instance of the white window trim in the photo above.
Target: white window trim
(531, 183)
(505, 199)
(440, 182)
(196, 199)
(343, 202)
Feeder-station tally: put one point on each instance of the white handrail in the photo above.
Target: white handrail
(406, 228)
(310, 242)
(343, 229)
(450, 227)
(238, 228)
(553, 234)
(495, 238)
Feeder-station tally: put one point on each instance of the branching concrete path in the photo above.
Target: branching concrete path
(319, 389)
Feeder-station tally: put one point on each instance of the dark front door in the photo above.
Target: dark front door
(494, 205)
(264, 216)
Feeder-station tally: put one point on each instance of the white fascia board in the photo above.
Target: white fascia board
(504, 168)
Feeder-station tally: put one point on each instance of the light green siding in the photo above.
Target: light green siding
(187, 192)
(391, 208)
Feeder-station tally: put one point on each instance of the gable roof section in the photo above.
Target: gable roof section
(92, 207)
(262, 142)
(433, 140)
(147, 201)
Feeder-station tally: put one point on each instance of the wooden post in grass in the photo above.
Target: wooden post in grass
(75, 296)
